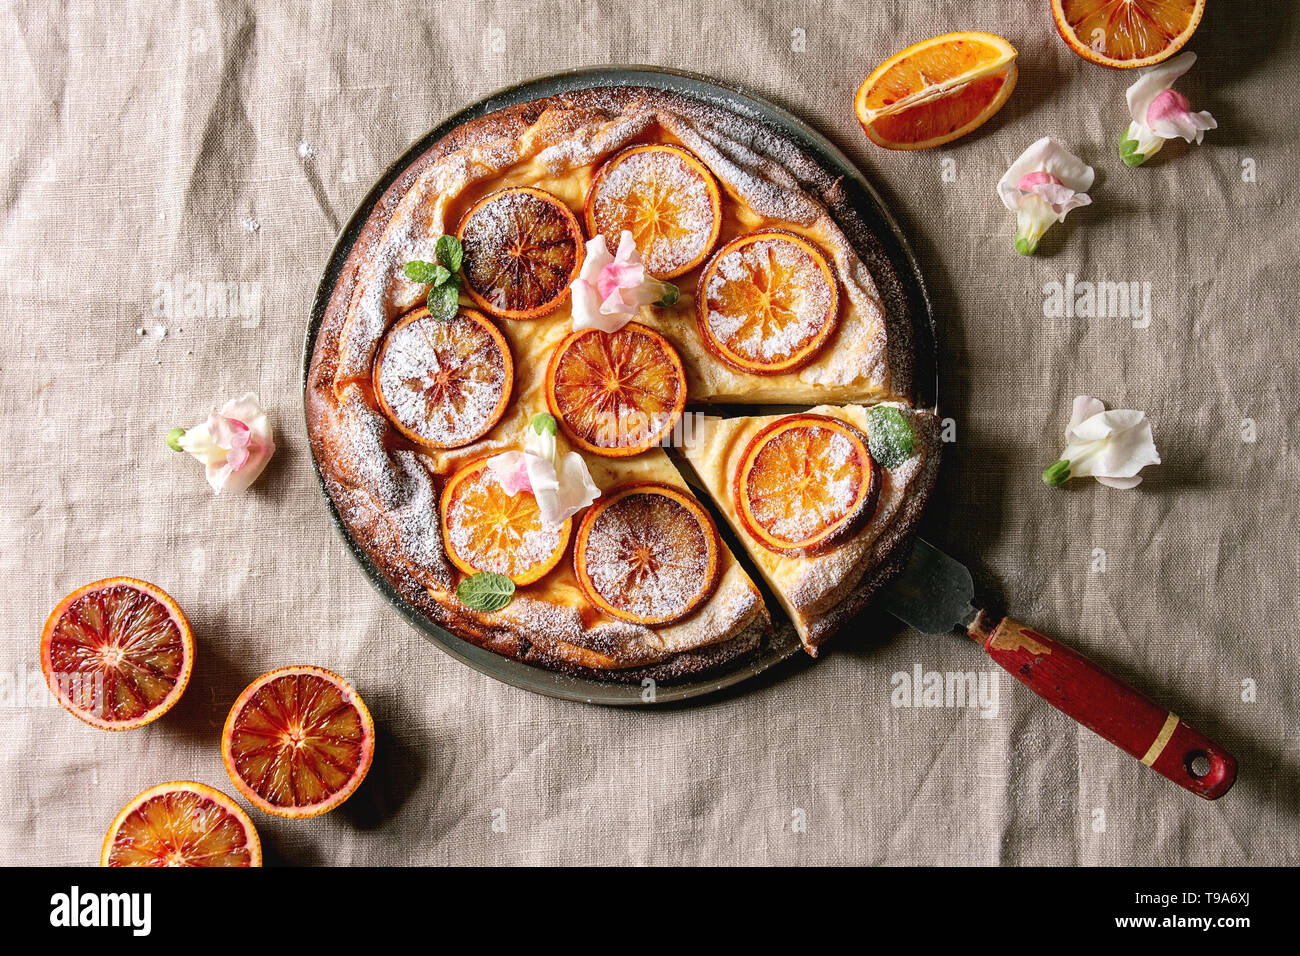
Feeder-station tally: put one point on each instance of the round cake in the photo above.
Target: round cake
(470, 327)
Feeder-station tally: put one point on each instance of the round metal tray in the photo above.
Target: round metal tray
(783, 645)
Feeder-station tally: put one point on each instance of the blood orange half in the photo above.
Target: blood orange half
(1127, 33)
(117, 653)
(298, 741)
(182, 824)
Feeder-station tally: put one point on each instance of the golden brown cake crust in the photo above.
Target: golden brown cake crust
(386, 498)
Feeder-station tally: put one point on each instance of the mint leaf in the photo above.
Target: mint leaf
(542, 423)
(669, 297)
(1057, 473)
(449, 252)
(417, 270)
(486, 591)
(440, 275)
(444, 301)
(889, 436)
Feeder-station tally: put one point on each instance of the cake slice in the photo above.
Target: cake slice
(820, 500)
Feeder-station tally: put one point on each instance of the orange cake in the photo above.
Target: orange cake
(456, 345)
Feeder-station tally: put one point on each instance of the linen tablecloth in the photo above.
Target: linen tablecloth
(146, 147)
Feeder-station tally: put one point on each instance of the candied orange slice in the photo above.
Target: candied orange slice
(1127, 33)
(616, 393)
(298, 741)
(666, 198)
(936, 90)
(117, 653)
(806, 484)
(522, 248)
(444, 384)
(181, 824)
(485, 528)
(767, 302)
(647, 553)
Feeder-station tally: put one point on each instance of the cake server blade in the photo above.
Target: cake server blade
(935, 594)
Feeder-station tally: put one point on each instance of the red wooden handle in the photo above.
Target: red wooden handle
(1109, 707)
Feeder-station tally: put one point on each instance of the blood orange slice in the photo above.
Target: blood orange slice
(485, 528)
(298, 741)
(522, 248)
(616, 393)
(117, 653)
(936, 90)
(182, 824)
(767, 302)
(647, 553)
(444, 384)
(666, 198)
(1127, 33)
(806, 484)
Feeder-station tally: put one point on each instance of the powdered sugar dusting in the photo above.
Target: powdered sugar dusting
(442, 382)
(647, 555)
(667, 205)
(767, 299)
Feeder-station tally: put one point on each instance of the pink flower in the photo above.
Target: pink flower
(234, 444)
(561, 483)
(1041, 187)
(611, 290)
(1160, 113)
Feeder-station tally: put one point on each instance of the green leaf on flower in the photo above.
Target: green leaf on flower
(1057, 473)
(444, 301)
(669, 297)
(486, 591)
(889, 436)
(174, 439)
(449, 252)
(543, 423)
(417, 270)
(1128, 151)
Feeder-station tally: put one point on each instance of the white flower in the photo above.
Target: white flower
(1044, 184)
(234, 444)
(1160, 113)
(1109, 446)
(610, 290)
(562, 485)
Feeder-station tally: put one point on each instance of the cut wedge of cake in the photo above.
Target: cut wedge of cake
(820, 500)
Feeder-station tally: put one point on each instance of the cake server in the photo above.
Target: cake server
(935, 594)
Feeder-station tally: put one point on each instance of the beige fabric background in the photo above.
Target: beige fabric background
(227, 142)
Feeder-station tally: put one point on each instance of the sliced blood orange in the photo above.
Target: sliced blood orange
(298, 741)
(767, 302)
(1127, 33)
(666, 198)
(522, 249)
(616, 393)
(936, 90)
(444, 384)
(806, 484)
(647, 553)
(117, 653)
(182, 824)
(485, 528)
